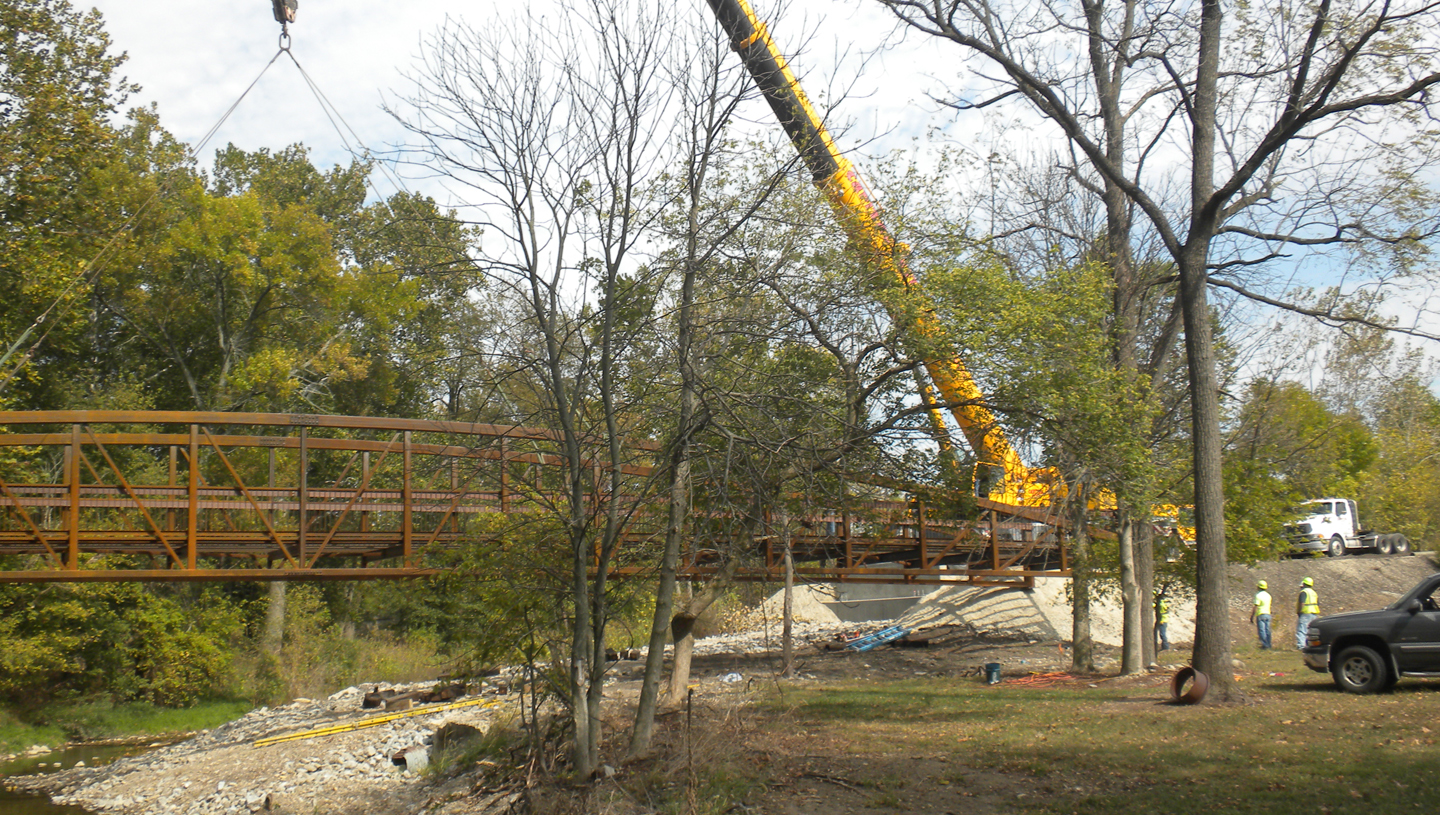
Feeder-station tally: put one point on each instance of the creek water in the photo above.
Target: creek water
(13, 802)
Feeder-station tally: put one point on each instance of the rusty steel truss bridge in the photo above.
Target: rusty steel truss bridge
(145, 496)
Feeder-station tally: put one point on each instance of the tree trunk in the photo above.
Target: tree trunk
(347, 622)
(581, 648)
(664, 608)
(272, 638)
(1212, 655)
(682, 631)
(682, 627)
(1132, 648)
(787, 639)
(1212, 608)
(1082, 655)
(1145, 576)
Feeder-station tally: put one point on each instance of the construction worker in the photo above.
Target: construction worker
(1162, 618)
(1260, 614)
(1307, 608)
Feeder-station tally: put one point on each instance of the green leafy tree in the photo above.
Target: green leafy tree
(1287, 446)
(275, 288)
(62, 179)
(1297, 128)
(1400, 492)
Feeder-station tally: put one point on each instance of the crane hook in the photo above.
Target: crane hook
(285, 15)
(285, 10)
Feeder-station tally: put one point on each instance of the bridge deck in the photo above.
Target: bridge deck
(146, 496)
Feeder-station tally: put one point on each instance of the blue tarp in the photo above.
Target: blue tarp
(878, 639)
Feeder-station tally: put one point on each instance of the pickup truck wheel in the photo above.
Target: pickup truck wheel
(1360, 670)
(1336, 547)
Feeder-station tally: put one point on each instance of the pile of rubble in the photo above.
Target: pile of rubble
(354, 768)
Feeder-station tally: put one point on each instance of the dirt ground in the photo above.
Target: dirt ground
(810, 775)
(1354, 583)
(807, 774)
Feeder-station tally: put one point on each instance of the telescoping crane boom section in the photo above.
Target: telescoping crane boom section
(860, 216)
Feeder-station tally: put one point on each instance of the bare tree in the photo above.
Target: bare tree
(800, 381)
(709, 94)
(557, 132)
(1298, 128)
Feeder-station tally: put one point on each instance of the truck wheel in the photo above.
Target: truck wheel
(1337, 546)
(1401, 544)
(1384, 545)
(1360, 670)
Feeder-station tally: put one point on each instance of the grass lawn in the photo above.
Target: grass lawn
(1117, 745)
(98, 720)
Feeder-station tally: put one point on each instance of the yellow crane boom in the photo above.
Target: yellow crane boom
(860, 216)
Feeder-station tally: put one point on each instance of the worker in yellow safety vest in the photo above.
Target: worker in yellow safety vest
(1162, 619)
(1307, 608)
(1260, 614)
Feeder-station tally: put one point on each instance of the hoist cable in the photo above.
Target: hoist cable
(333, 114)
(92, 267)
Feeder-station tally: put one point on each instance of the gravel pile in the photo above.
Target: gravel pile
(766, 636)
(222, 771)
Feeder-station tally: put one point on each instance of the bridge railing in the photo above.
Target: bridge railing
(174, 496)
(269, 495)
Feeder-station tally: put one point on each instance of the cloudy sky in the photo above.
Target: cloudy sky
(195, 59)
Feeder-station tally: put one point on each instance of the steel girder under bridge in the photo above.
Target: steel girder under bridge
(186, 496)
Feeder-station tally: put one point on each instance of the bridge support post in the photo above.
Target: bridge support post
(504, 476)
(409, 503)
(174, 478)
(994, 540)
(364, 479)
(304, 495)
(72, 474)
(192, 500)
(920, 527)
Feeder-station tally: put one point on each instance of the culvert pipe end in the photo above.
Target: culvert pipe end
(1198, 683)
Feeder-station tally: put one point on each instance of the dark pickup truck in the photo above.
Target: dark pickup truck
(1368, 651)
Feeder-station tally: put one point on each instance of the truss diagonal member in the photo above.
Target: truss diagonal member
(359, 493)
(245, 491)
(130, 491)
(99, 480)
(94, 473)
(200, 481)
(865, 554)
(30, 522)
(454, 503)
(354, 457)
(1020, 556)
(934, 563)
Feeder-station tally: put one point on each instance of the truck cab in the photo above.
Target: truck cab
(1331, 526)
(1324, 526)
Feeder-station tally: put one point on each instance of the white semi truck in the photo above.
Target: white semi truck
(1331, 526)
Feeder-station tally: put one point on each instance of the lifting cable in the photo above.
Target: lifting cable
(93, 266)
(332, 114)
